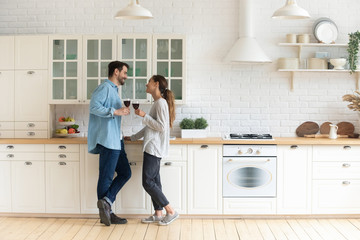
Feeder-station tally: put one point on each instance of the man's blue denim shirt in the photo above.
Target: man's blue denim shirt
(104, 127)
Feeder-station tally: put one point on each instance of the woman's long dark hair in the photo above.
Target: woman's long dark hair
(167, 94)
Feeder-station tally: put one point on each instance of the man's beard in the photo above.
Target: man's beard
(121, 80)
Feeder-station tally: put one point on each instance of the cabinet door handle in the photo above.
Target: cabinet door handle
(31, 125)
(10, 156)
(62, 156)
(346, 165)
(132, 163)
(62, 163)
(30, 72)
(62, 147)
(10, 147)
(204, 146)
(346, 183)
(28, 163)
(347, 147)
(30, 134)
(168, 163)
(294, 146)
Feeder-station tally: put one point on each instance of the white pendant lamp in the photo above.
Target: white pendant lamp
(133, 11)
(291, 11)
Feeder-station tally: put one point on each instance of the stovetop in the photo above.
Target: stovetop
(247, 136)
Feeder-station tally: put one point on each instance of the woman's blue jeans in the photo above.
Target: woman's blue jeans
(111, 161)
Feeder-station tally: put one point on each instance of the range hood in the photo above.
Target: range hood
(246, 48)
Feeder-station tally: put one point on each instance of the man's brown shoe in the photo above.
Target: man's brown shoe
(104, 211)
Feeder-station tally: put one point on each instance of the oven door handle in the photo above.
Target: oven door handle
(244, 161)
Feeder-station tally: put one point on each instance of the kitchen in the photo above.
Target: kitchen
(234, 98)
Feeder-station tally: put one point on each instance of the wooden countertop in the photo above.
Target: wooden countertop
(210, 141)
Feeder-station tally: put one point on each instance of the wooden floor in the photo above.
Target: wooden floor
(186, 229)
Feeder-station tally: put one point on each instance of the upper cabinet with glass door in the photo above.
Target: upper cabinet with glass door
(99, 51)
(135, 50)
(65, 69)
(169, 61)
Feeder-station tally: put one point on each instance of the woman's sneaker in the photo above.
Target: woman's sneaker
(152, 219)
(168, 219)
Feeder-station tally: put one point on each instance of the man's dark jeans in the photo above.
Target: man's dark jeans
(111, 161)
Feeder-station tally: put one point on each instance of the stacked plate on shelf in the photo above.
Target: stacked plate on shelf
(325, 30)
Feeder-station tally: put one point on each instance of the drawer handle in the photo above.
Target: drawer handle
(132, 163)
(168, 163)
(28, 163)
(31, 125)
(10, 147)
(62, 163)
(62, 147)
(62, 156)
(31, 134)
(347, 147)
(10, 155)
(346, 165)
(30, 72)
(204, 146)
(294, 146)
(346, 183)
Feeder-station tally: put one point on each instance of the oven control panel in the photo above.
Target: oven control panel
(239, 150)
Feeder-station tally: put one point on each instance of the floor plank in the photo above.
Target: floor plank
(253, 229)
(185, 229)
(230, 229)
(311, 232)
(219, 228)
(140, 231)
(242, 229)
(300, 232)
(151, 232)
(276, 229)
(208, 227)
(85, 229)
(175, 230)
(287, 230)
(49, 232)
(197, 232)
(117, 232)
(347, 229)
(45, 224)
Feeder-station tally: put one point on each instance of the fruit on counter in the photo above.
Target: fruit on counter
(71, 130)
(68, 119)
(62, 131)
(61, 119)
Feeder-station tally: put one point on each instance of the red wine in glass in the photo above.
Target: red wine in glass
(136, 105)
(127, 102)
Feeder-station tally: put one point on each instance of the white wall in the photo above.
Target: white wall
(234, 98)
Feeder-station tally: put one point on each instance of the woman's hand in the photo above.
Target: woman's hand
(127, 138)
(140, 112)
(122, 111)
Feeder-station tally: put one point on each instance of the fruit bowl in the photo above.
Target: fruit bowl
(66, 123)
(338, 63)
(67, 135)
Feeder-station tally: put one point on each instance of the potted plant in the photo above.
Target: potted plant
(193, 129)
(353, 50)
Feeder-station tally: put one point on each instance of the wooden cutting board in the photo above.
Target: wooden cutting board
(307, 128)
(345, 128)
(325, 128)
(323, 136)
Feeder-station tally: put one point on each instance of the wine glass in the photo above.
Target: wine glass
(136, 105)
(127, 102)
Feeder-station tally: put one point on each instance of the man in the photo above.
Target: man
(105, 138)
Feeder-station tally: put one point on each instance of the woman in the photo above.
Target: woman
(155, 146)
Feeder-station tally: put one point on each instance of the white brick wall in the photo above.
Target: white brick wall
(236, 98)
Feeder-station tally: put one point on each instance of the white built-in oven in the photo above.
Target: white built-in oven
(249, 170)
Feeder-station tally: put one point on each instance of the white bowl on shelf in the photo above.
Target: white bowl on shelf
(66, 123)
(338, 63)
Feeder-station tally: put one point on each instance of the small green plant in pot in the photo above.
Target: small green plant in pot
(353, 50)
(193, 129)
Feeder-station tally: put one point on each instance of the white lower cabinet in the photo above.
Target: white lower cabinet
(62, 169)
(28, 185)
(89, 174)
(132, 198)
(5, 186)
(294, 179)
(204, 179)
(62, 187)
(336, 180)
(173, 180)
(336, 197)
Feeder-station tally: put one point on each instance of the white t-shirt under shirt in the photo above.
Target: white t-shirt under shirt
(156, 132)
